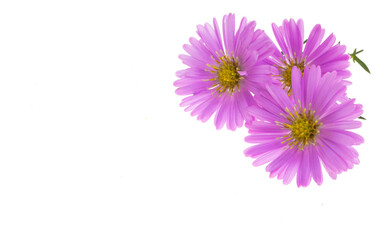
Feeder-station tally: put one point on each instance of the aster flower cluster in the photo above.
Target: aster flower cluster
(292, 99)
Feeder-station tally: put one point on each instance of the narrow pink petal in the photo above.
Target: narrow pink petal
(313, 40)
(328, 92)
(231, 123)
(262, 114)
(228, 33)
(330, 172)
(221, 116)
(209, 110)
(280, 96)
(211, 41)
(244, 39)
(292, 168)
(241, 28)
(341, 112)
(296, 79)
(267, 128)
(281, 171)
(269, 104)
(192, 62)
(331, 158)
(259, 149)
(238, 116)
(343, 125)
(186, 82)
(260, 69)
(266, 51)
(304, 172)
(315, 166)
(326, 45)
(295, 39)
(261, 138)
(193, 88)
(194, 99)
(276, 165)
(280, 39)
(331, 55)
(344, 74)
(345, 152)
(195, 53)
(249, 60)
(242, 104)
(312, 82)
(300, 25)
(335, 65)
(198, 50)
(343, 137)
(193, 73)
(267, 157)
(285, 29)
(217, 33)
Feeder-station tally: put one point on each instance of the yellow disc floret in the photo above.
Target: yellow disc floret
(285, 72)
(304, 127)
(227, 75)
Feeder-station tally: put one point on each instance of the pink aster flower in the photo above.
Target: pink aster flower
(297, 137)
(327, 54)
(224, 71)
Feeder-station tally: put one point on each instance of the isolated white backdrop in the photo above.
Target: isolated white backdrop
(93, 144)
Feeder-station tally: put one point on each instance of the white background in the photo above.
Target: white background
(93, 144)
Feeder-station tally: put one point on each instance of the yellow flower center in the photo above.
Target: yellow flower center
(226, 73)
(285, 72)
(304, 127)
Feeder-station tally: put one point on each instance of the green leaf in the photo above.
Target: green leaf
(362, 64)
(305, 41)
(358, 60)
(361, 117)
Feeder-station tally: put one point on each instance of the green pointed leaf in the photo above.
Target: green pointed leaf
(305, 41)
(362, 64)
(362, 118)
(358, 60)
